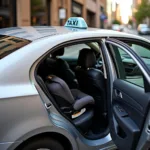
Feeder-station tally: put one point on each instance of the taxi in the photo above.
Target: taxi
(73, 88)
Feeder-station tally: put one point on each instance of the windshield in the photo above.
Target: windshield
(9, 44)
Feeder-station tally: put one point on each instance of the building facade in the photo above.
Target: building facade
(49, 12)
(7, 13)
(135, 5)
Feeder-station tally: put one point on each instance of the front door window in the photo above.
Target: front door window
(126, 67)
(141, 48)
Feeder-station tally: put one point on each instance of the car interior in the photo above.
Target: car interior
(73, 78)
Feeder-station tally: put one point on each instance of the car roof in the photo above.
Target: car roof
(33, 33)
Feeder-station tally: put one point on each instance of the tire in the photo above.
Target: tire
(43, 144)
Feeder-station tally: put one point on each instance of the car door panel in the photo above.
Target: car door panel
(135, 93)
(130, 102)
(129, 109)
(126, 130)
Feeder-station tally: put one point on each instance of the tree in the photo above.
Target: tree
(36, 3)
(143, 11)
(116, 22)
(36, 6)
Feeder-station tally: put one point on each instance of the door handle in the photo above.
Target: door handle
(118, 94)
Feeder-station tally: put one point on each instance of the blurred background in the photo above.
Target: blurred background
(132, 16)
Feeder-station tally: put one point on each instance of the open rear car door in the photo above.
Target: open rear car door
(128, 109)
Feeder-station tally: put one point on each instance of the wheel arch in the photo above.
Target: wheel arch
(54, 135)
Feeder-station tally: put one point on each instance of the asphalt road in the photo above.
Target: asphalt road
(133, 31)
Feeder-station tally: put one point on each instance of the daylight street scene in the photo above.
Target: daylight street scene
(134, 32)
(75, 74)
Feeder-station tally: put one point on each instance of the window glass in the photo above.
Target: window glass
(10, 44)
(7, 13)
(73, 51)
(127, 68)
(143, 50)
(76, 9)
(39, 12)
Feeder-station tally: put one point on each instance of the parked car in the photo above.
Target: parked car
(73, 88)
(117, 27)
(143, 29)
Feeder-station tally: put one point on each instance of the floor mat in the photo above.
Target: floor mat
(99, 125)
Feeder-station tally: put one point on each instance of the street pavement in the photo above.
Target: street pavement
(134, 31)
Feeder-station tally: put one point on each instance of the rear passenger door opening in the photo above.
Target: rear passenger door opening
(73, 77)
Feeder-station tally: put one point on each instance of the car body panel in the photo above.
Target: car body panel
(25, 57)
(32, 119)
(27, 113)
(38, 32)
(126, 123)
(21, 115)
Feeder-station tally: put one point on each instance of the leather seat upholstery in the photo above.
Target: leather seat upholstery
(90, 79)
(71, 102)
(60, 68)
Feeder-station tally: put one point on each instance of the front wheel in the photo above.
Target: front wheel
(43, 144)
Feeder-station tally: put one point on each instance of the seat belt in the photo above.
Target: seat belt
(43, 89)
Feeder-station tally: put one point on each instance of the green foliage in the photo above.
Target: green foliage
(36, 2)
(37, 6)
(116, 22)
(143, 11)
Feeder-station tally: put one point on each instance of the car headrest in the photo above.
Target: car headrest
(86, 59)
(59, 52)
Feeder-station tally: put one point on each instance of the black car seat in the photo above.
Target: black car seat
(91, 80)
(77, 105)
(60, 68)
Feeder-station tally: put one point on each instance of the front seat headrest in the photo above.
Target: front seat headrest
(86, 59)
(59, 52)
